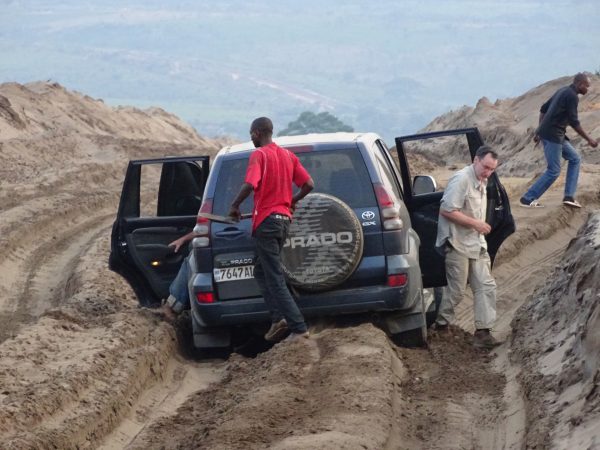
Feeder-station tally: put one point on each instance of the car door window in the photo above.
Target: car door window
(386, 170)
(385, 173)
(170, 189)
(149, 187)
(181, 189)
(438, 157)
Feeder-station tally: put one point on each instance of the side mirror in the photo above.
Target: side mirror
(424, 184)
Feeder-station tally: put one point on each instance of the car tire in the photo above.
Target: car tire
(324, 245)
(207, 342)
(434, 308)
(411, 338)
(415, 337)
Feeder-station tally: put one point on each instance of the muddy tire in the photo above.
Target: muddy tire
(411, 338)
(434, 308)
(415, 337)
(206, 342)
(324, 245)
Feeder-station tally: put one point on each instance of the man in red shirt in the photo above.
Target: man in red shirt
(270, 174)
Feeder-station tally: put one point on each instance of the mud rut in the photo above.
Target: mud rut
(83, 367)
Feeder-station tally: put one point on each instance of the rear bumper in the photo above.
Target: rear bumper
(343, 301)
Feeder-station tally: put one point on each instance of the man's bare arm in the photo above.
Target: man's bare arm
(178, 243)
(584, 135)
(303, 192)
(462, 219)
(244, 192)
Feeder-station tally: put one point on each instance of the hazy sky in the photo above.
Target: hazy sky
(385, 66)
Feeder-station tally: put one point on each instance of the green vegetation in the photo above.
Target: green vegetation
(309, 122)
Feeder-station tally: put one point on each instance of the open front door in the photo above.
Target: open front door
(449, 151)
(159, 203)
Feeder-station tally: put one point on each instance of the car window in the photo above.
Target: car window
(231, 177)
(181, 189)
(385, 171)
(341, 173)
(439, 157)
(392, 159)
(149, 186)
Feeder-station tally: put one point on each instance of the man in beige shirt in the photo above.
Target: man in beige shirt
(461, 237)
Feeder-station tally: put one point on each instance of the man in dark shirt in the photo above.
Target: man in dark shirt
(558, 112)
(270, 174)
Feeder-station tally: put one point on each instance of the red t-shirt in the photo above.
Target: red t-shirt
(271, 171)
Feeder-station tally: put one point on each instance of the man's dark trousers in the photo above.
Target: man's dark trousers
(270, 237)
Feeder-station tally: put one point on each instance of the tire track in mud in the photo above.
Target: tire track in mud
(55, 263)
(180, 380)
(329, 392)
(445, 397)
(79, 400)
(42, 228)
(44, 216)
(96, 357)
(81, 358)
(45, 272)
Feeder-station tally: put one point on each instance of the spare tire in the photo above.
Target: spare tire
(324, 245)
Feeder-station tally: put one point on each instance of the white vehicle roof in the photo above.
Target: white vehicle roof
(304, 139)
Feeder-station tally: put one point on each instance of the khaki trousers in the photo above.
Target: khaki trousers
(459, 270)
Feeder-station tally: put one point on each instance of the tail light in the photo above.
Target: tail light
(390, 212)
(397, 280)
(205, 297)
(202, 228)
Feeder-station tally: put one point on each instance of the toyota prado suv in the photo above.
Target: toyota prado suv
(362, 243)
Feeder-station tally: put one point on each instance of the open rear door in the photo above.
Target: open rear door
(159, 203)
(448, 151)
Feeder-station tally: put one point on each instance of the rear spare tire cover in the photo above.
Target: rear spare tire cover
(324, 245)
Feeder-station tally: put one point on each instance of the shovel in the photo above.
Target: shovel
(222, 219)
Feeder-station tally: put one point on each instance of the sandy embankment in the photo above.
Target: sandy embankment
(75, 351)
(557, 341)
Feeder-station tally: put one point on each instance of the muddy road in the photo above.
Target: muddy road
(82, 366)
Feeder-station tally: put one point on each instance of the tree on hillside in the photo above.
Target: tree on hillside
(309, 122)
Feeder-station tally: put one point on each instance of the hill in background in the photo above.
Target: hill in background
(49, 134)
(509, 125)
(44, 125)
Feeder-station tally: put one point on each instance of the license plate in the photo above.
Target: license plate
(233, 273)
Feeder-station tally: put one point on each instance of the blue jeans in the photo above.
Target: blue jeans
(553, 152)
(270, 237)
(179, 286)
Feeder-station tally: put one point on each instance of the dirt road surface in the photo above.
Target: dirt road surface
(82, 366)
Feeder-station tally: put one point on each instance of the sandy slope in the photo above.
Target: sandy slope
(81, 366)
(508, 125)
(557, 340)
(75, 352)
